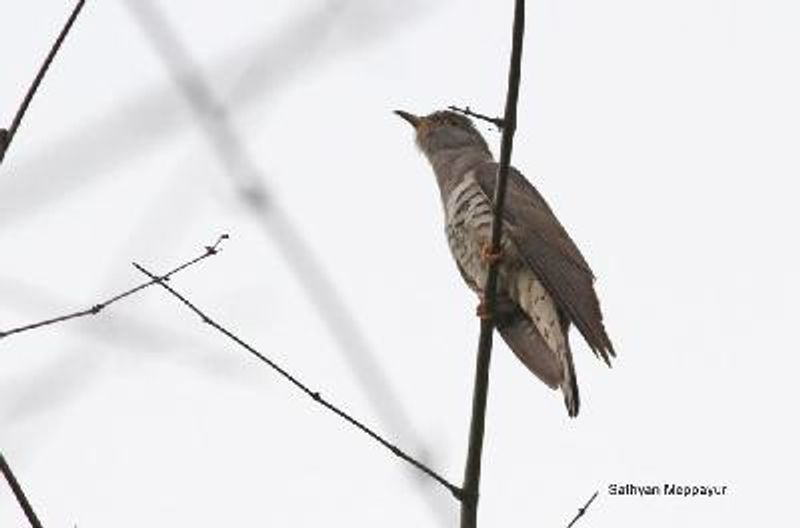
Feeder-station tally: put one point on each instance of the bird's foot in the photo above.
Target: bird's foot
(488, 256)
(482, 311)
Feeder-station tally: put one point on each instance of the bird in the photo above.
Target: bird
(544, 282)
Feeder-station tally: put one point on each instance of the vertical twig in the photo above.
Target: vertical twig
(18, 493)
(6, 136)
(472, 471)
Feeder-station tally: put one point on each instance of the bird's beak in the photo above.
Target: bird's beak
(411, 118)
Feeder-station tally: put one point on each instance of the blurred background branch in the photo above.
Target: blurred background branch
(89, 152)
(249, 183)
(148, 119)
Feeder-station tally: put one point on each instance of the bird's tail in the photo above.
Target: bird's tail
(556, 370)
(569, 387)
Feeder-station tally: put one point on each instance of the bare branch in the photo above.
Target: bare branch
(472, 471)
(582, 511)
(5, 139)
(249, 181)
(314, 395)
(268, 65)
(6, 136)
(18, 493)
(97, 308)
(496, 121)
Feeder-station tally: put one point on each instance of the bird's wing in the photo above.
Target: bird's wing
(551, 253)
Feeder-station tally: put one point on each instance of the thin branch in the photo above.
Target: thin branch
(314, 395)
(265, 66)
(496, 121)
(97, 308)
(5, 139)
(248, 180)
(6, 136)
(472, 471)
(582, 511)
(214, 116)
(18, 493)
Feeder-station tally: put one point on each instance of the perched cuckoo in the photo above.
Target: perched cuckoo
(544, 283)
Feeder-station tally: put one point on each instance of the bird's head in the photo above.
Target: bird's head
(444, 130)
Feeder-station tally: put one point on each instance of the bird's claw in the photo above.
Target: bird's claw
(488, 256)
(482, 311)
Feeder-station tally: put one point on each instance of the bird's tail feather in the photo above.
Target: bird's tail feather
(522, 337)
(572, 398)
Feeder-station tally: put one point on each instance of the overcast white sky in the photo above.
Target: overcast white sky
(664, 134)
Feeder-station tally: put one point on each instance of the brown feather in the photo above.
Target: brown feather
(547, 248)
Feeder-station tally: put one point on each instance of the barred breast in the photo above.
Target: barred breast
(468, 221)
